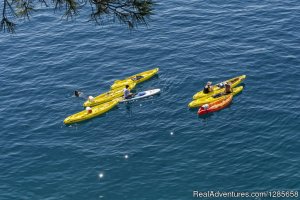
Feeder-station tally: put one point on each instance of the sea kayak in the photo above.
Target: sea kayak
(143, 94)
(107, 96)
(95, 111)
(220, 87)
(137, 78)
(215, 105)
(199, 102)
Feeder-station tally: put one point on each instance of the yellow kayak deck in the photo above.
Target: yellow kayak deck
(205, 100)
(137, 78)
(216, 89)
(96, 111)
(107, 96)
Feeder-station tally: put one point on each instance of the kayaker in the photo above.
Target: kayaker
(77, 93)
(91, 98)
(208, 88)
(127, 94)
(228, 88)
(80, 94)
(89, 110)
(205, 106)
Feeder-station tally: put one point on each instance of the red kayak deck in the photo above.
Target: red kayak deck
(216, 105)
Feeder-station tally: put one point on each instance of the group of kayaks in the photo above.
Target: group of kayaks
(217, 99)
(209, 102)
(106, 101)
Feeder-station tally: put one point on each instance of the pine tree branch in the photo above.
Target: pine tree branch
(6, 25)
(130, 12)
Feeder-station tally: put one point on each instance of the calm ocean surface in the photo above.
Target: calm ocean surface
(251, 146)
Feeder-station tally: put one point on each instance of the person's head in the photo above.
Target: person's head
(91, 98)
(208, 83)
(76, 93)
(205, 106)
(88, 109)
(127, 86)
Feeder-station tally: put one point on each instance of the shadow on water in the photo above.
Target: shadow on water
(205, 116)
(128, 108)
(155, 77)
(244, 87)
(242, 84)
(141, 100)
(238, 94)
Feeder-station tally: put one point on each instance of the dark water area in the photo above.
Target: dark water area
(253, 145)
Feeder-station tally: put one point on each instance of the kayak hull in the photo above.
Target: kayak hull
(216, 89)
(96, 111)
(107, 96)
(141, 95)
(216, 105)
(206, 100)
(132, 79)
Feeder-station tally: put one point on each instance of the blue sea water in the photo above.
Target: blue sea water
(253, 145)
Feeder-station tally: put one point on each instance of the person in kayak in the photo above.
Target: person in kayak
(91, 98)
(228, 88)
(127, 94)
(208, 88)
(89, 110)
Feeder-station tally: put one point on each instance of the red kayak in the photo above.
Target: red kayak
(216, 105)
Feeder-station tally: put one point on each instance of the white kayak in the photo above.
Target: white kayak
(141, 95)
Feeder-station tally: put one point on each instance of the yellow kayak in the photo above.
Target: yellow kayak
(217, 89)
(137, 78)
(107, 96)
(199, 102)
(97, 110)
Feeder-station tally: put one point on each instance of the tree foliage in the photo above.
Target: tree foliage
(129, 12)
